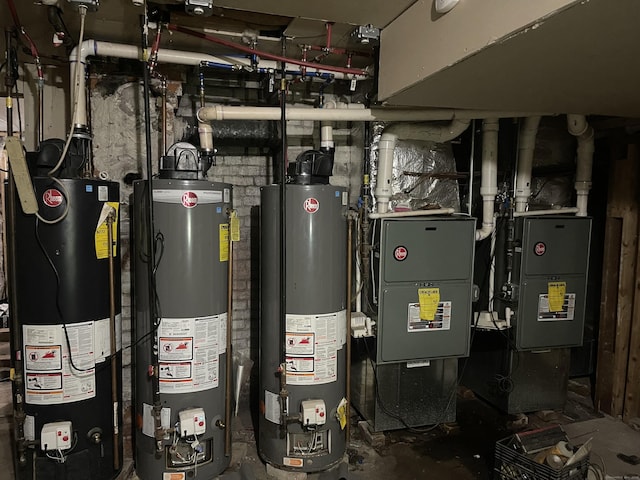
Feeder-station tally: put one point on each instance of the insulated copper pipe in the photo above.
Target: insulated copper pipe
(112, 323)
(229, 364)
(348, 329)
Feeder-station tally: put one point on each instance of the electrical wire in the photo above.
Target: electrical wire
(58, 307)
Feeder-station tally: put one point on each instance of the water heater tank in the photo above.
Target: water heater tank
(183, 349)
(61, 301)
(303, 369)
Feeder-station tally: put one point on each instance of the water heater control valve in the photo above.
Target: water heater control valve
(56, 436)
(192, 422)
(314, 413)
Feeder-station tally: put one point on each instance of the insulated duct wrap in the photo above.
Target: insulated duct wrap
(424, 173)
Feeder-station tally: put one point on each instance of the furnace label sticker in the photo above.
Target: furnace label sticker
(201, 340)
(307, 366)
(567, 312)
(441, 319)
(54, 373)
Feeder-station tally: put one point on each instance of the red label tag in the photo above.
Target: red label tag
(311, 205)
(189, 199)
(400, 253)
(52, 198)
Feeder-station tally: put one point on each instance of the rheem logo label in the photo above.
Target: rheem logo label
(52, 198)
(311, 205)
(189, 199)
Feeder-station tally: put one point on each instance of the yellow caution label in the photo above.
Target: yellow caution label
(556, 292)
(429, 299)
(235, 226)
(224, 242)
(341, 413)
(101, 236)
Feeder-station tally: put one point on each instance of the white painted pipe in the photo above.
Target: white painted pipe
(407, 131)
(489, 179)
(578, 127)
(551, 211)
(413, 213)
(326, 135)
(90, 48)
(527, 145)
(352, 113)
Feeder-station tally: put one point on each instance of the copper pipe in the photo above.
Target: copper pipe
(114, 366)
(348, 329)
(229, 362)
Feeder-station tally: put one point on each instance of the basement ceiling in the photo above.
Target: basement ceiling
(583, 57)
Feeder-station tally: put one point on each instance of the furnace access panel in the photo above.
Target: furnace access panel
(551, 265)
(424, 271)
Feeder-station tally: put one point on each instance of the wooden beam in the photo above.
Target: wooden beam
(618, 294)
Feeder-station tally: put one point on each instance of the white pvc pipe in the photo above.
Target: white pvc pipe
(118, 50)
(413, 213)
(578, 127)
(326, 135)
(527, 141)
(552, 211)
(352, 113)
(408, 131)
(489, 179)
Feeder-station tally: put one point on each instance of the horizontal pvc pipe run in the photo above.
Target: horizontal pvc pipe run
(350, 114)
(553, 211)
(413, 213)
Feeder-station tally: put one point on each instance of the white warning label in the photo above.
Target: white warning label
(313, 342)
(56, 374)
(300, 343)
(567, 312)
(271, 406)
(189, 351)
(441, 319)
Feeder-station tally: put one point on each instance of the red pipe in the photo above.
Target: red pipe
(270, 56)
(329, 28)
(32, 45)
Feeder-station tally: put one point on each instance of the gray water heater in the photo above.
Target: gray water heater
(185, 348)
(303, 369)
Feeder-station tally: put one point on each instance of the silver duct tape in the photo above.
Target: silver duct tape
(418, 171)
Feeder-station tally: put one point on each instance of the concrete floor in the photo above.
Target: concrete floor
(463, 451)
